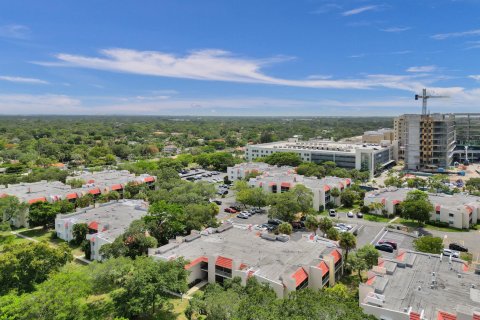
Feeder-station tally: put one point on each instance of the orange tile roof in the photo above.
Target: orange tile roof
(93, 225)
(371, 280)
(469, 209)
(94, 191)
(437, 208)
(442, 315)
(401, 256)
(348, 181)
(149, 179)
(300, 275)
(396, 202)
(71, 196)
(224, 262)
(476, 316)
(336, 255)
(242, 266)
(117, 187)
(91, 181)
(286, 184)
(341, 185)
(196, 261)
(326, 188)
(414, 316)
(322, 265)
(42, 199)
(271, 184)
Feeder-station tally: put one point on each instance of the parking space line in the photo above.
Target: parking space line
(384, 233)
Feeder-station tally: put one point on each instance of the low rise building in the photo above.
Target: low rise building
(360, 156)
(418, 286)
(321, 188)
(381, 136)
(110, 180)
(458, 210)
(105, 222)
(242, 170)
(285, 264)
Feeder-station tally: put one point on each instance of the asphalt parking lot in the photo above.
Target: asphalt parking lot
(403, 241)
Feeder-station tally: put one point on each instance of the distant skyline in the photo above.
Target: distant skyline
(243, 58)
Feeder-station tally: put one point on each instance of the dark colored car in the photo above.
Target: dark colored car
(270, 227)
(217, 202)
(393, 244)
(384, 247)
(297, 225)
(457, 247)
(236, 208)
(230, 210)
(275, 222)
(359, 215)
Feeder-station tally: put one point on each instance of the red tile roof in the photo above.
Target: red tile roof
(149, 179)
(117, 187)
(94, 191)
(322, 265)
(196, 261)
(286, 184)
(300, 275)
(91, 181)
(383, 201)
(93, 225)
(348, 181)
(371, 280)
(414, 316)
(271, 184)
(71, 196)
(381, 262)
(341, 185)
(476, 316)
(401, 256)
(437, 208)
(42, 199)
(224, 262)
(336, 255)
(442, 315)
(326, 188)
(469, 209)
(396, 202)
(243, 266)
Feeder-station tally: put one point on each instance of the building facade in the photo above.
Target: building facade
(229, 252)
(467, 133)
(381, 136)
(358, 156)
(458, 210)
(105, 222)
(425, 141)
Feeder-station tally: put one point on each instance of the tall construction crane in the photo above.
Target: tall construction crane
(424, 98)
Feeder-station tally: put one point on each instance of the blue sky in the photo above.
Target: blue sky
(263, 57)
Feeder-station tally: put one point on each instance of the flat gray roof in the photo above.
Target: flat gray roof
(411, 287)
(319, 146)
(30, 191)
(116, 215)
(270, 259)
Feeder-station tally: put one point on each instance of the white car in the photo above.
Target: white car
(453, 253)
(350, 214)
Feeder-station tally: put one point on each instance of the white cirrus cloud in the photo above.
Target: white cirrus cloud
(475, 77)
(23, 80)
(443, 36)
(395, 29)
(360, 10)
(15, 31)
(422, 69)
(210, 65)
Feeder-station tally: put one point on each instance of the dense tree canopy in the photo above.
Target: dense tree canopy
(417, 206)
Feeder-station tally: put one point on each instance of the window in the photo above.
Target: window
(451, 215)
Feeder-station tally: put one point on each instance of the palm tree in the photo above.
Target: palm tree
(325, 224)
(347, 242)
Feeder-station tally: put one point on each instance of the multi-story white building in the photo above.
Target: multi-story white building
(241, 170)
(380, 136)
(283, 264)
(360, 156)
(419, 286)
(105, 222)
(458, 210)
(95, 184)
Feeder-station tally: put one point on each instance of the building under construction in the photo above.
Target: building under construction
(425, 141)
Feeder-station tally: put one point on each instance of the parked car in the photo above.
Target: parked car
(384, 247)
(269, 227)
(297, 225)
(217, 202)
(275, 222)
(344, 226)
(339, 229)
(332, 213)
(242, 216)
(230, 210)
(392, 243)
(236, 208)
(222, 192)
(448, 253)
(245, 212)
(457, 247)
(359, 215)
(350, 214)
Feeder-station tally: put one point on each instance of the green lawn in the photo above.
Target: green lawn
(414, 225)
(375, 218)
(7, 238)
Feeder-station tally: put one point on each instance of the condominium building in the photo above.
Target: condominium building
(105, 222)
(242, 170)
(458, 210)
(419, 286)
(285, 264)
(425, 141)
(360, 156)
